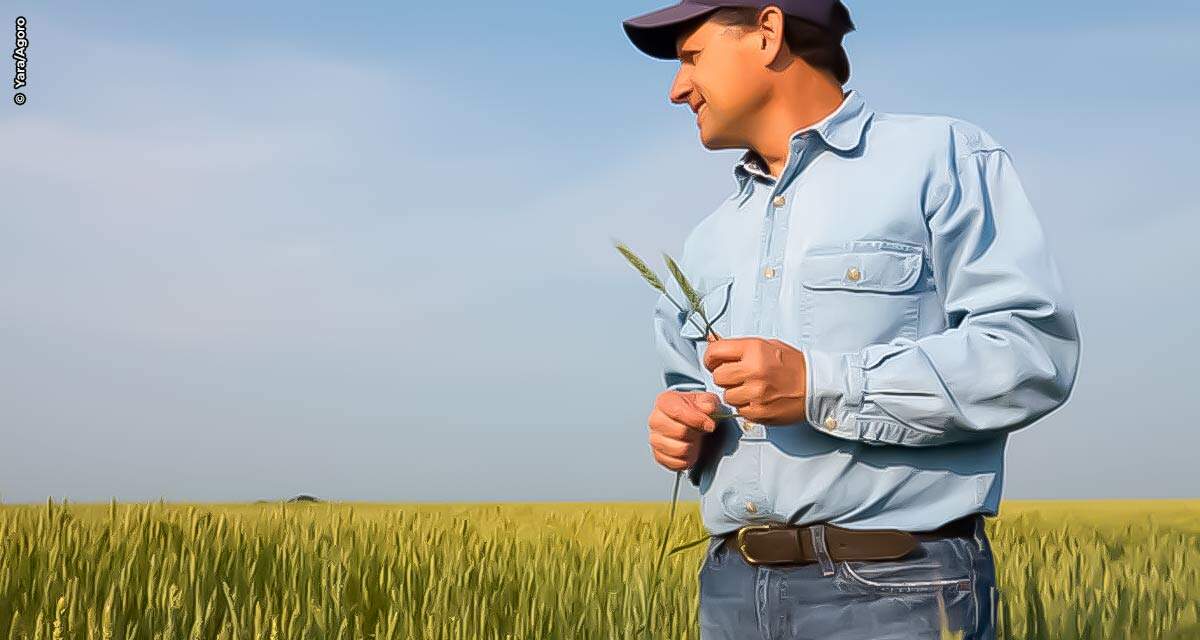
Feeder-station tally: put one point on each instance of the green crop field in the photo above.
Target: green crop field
(1068, 570)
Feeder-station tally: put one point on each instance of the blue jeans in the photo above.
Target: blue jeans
(853, 599)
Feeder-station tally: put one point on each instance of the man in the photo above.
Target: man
(895, 313)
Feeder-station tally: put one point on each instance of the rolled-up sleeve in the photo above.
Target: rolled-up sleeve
(1010, 352)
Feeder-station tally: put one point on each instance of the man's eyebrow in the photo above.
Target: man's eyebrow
(687, 51)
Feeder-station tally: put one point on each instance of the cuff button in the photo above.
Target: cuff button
(830, 423)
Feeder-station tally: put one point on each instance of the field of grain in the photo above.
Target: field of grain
(1068, 570)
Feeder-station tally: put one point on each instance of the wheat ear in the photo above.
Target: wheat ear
(653, 280)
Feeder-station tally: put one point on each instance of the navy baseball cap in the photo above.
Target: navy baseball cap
(655, 33)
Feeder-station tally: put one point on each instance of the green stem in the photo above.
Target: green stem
(688, 545)
(662, 551)
(689, 316)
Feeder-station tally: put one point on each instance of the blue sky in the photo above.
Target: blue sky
(253, 250)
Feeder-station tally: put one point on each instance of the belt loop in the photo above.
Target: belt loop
(818, 542)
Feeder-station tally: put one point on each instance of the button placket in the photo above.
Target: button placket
(748, 501)
(775, 233)
(774, 238)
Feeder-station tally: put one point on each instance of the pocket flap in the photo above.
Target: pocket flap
(714, 298)
(883, 269)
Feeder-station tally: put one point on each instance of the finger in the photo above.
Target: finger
(683, 411)
(704, 401)
(671, 428)
(736, 397)
(674, 464)
(754, 412)
(730, 374)
(744, 394)
(727, 350)
(669, 446)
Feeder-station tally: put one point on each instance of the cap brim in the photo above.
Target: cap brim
(655, 33)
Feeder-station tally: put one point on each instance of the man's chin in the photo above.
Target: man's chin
(712, 142)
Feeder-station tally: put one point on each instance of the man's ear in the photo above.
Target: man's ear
(770, 21)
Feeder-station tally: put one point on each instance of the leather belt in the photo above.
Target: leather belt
(780, 543)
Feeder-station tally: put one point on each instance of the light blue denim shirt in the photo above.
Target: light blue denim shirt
(901, 255)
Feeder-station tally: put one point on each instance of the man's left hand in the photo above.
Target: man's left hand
(764, 379)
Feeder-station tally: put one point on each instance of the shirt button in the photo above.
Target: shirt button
(769, 272)
(854, 274)
(831, 423)
(779, 201)
(751, 507)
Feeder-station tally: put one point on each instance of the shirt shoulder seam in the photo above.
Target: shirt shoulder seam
(975, 153)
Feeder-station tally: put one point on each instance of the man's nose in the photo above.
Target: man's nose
(681, 87)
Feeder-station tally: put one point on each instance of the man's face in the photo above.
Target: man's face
(721, 75)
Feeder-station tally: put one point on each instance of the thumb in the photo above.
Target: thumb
(706, 402)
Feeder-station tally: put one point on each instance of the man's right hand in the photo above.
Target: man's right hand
(677, 424)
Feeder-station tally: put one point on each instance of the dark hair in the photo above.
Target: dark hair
(818, 46)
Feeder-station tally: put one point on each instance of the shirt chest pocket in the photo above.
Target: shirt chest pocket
(716, 298)
(860, 294)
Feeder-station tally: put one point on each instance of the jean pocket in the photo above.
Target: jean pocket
(936, 582)
(935, 565)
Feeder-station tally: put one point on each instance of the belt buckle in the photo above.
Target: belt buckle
(741, 539)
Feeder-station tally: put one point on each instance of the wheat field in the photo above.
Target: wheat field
(1068, 570)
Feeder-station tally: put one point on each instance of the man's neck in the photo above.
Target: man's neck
(792, 110)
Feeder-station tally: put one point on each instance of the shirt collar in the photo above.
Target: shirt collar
(841, 130)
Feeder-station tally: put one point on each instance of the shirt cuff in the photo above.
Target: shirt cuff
(836, 387)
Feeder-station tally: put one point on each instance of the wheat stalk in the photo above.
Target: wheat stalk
(686, 286)
(653, 279)
(688, 290)
(696, 303)
(640, 265)
(694, 298)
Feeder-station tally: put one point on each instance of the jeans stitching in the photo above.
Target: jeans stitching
(979, 538)
(901, 585)
(761, 603)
